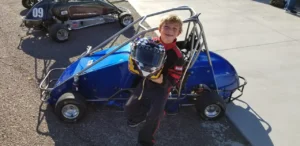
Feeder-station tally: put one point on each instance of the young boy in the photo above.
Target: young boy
(150, 108)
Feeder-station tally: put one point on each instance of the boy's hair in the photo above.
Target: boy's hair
(171, 18)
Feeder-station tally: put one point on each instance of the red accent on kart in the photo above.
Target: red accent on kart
(104, 11)
(74, 25)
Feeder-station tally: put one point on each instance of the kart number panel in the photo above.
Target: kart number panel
(38, 13)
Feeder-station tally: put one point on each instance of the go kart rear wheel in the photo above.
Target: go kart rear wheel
(28, 3)
(210, 106)
(125, 19)
(70, 107)
(59, 32)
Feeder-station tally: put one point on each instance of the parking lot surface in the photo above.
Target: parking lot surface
(25, 120)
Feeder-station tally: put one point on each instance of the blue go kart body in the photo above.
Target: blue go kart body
(106, 78)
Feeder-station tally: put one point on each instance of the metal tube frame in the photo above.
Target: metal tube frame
(47, 77)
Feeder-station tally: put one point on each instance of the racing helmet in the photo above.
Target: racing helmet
(147, 57)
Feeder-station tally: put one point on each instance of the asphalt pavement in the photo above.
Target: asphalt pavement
(26, 57)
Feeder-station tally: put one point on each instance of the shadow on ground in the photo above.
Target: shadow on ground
(250, 122)
(56, 55)
(108, 127)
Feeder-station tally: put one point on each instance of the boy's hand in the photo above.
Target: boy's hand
(159, 80)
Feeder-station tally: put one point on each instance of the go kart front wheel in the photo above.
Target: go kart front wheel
(125, 19)
(210, 106)
(59, 32)
(28, 3)
(70, 107)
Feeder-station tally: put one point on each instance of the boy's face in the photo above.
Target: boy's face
(169, 32)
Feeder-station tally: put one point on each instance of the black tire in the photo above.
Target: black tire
(125, 18)
(28, 3)
(206, 99)
(74, 100)
(58, 29)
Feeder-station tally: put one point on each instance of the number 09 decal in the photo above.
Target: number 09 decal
(38, 12)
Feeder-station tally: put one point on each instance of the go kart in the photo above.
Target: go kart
(60, 16)
(101, 75)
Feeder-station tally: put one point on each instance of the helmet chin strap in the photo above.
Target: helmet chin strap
(145, 74)
(142, 88)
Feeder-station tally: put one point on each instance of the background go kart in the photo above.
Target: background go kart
(24, 120)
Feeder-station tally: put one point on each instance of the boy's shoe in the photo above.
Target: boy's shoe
(134, 124)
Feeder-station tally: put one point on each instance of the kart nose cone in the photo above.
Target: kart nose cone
(32, 23)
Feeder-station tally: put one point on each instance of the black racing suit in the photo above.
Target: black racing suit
(154, 96)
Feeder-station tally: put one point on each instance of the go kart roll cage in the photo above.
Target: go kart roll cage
(105, 1)
(195, 49)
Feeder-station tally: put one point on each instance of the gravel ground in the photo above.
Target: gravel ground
(24, 120)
